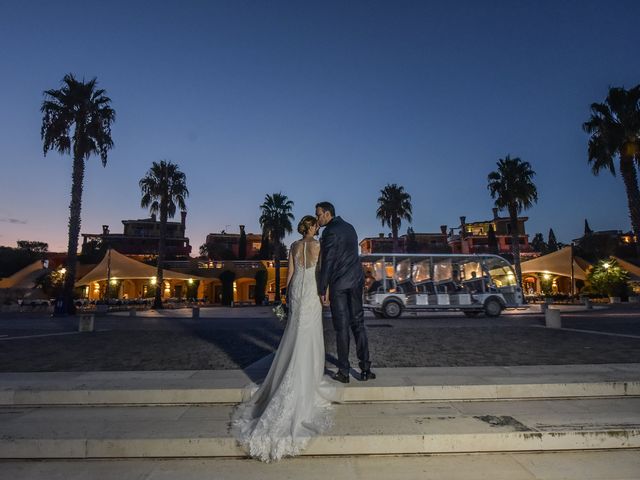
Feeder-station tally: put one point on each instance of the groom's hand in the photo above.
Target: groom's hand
(323, 299)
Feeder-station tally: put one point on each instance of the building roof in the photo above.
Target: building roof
(125, 268)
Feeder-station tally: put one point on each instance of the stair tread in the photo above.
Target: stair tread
(350, 419)
(226, 386)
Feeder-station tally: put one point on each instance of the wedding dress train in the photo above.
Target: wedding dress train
(293, 404)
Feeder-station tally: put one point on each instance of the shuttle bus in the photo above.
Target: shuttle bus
(473, 284)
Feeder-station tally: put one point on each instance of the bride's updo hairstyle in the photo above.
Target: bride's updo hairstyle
(306, 223)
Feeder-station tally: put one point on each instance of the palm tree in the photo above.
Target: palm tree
(512, 188)
(394, 205)
(163, 189)
(76, 119)
(275, 220)
(614, 127)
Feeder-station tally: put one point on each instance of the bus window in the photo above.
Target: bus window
(500, 271)
(403, 271)
(442, 270)
(470, 270)
(422, 271)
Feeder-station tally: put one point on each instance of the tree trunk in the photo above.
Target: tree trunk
(277, 266)
(630, 178)
(394, 235)
(515, 243)
(157, 303)
(74, 228)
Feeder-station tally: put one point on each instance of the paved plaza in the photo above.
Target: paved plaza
(225, 338)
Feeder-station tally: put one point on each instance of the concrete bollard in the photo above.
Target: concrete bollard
(132, 312)
(634, 299)
(552, 318)
(587, 303)
(195, 312)
(86, 323)
(544, 307)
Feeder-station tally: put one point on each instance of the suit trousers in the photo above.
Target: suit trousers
(347, 313)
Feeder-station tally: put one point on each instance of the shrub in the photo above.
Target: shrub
(608, 278)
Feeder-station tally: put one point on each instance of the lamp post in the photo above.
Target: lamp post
(573, 278)
(106, 293)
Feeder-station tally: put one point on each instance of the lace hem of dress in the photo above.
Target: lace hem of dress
(269, 446)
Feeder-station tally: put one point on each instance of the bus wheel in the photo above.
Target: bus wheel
(392, 309)
(378, 314)
(492, 308)
(472, 313)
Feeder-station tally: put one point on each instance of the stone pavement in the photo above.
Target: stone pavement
(235, 338)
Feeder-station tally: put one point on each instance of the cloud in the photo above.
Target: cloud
(12, 220)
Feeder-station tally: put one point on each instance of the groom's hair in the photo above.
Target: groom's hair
(327, 207)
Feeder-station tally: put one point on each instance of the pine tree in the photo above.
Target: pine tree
(538, 244)
(552, 243)
(587, 228)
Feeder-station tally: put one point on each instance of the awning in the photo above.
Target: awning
(25, 278)
(634, 270)
(557, 263)
(118, 266)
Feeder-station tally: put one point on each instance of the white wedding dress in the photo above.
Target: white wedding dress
(293, 404)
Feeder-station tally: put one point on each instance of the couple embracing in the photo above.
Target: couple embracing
(293, 403)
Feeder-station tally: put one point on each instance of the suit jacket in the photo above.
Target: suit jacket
(340, 266)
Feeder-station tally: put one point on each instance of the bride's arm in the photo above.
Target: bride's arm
(290, 266)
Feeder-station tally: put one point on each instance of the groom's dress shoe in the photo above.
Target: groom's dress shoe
(340, 377)
(367, 375)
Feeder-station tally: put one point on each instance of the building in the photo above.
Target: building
(473, 237)
(607, 243)
(226, 246)
(415, 243)
(140, 238)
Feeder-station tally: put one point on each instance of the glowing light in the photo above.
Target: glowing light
(63, 270)
(546, 276)
(114, 281)
(190, 281)
(154, 280)
(606, 265)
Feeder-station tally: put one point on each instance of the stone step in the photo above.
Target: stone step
(360, 429)
(583, 465)
(392, 385)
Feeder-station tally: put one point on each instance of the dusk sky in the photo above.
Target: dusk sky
(319, 100)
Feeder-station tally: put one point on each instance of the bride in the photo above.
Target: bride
(294, 402)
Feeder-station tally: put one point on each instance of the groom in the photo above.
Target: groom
(341, 271)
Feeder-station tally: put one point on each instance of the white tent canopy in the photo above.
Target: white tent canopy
(118, 266)
(634, 270)
(557, 263)
(25, 278)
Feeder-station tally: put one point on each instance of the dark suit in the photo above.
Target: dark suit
(341, 271)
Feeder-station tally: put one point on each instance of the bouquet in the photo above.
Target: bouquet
(280, 312)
